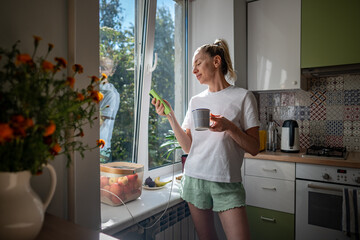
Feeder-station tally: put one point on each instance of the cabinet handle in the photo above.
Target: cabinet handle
(269, 170)
(268, 219)
(269, 188)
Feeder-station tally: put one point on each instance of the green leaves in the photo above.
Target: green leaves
(34, 95)
(171, 142)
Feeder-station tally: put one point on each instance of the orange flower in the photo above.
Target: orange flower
(101, 96)
(50, 129)
(70, 81)
(94, 79)
(50, 47)
(100, 143)
(47, 66)
(55, 149)
(37, 39)
(80, 97)
(6, 133)
(61, 62)
(103, 76)
(97, 96)
(17, 119)
(29, 122)
(23, 59)
(19, 125)
(78, 68)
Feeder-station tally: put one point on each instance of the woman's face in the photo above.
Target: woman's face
(203, 67)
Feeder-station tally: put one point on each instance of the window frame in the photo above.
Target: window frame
(140, 143)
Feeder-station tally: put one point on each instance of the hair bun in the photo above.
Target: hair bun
(218, 42)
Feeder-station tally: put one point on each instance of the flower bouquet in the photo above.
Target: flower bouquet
(41, 113)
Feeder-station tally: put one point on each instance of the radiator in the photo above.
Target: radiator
(175, 224)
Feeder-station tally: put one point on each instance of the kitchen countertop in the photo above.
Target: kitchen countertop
(353, 159)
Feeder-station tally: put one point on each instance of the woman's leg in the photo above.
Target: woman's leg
(204, 223)
(235, 223)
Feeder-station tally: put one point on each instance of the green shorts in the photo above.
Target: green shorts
(217, 196)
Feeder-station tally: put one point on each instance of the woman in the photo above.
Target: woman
(212, 175)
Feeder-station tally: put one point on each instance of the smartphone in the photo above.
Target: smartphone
(157, 97)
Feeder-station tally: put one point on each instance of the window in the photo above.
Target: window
(167, 80)
(142, 46)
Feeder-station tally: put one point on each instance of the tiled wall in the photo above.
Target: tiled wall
(328, 114)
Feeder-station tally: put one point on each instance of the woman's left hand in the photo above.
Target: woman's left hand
(219, 123)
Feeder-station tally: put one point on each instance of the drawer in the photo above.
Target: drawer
(271, 169)
(270, 193)
(270, 224)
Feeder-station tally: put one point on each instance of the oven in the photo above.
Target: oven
(319, 190)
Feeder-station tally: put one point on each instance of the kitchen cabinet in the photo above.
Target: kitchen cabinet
(330, 33)
(270, 224)
(270, 197)
(274, 45)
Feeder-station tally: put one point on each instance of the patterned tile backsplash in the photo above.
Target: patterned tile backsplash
(328, 114)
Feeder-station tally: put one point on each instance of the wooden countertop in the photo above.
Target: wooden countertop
(353, 159)
(55, 228)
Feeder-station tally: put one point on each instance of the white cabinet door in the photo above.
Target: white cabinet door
(274, 45)
(270, 193)
(270, 169)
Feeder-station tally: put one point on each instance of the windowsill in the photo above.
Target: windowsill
(151, 202)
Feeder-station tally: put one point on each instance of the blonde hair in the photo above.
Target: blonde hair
(220, 47)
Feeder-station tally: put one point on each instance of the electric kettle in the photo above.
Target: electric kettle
(290, 137)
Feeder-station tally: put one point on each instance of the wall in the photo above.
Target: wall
(72, 26)
(212, 19)
(328, 114)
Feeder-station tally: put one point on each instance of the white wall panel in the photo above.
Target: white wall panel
(20, 20)
(208, 20)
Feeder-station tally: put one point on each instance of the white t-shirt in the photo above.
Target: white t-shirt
(215, 156)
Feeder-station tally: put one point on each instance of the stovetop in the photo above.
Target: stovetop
(330, 152)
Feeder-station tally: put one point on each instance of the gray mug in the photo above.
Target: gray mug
(201, 117)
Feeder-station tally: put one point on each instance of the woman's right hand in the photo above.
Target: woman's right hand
(160, 107)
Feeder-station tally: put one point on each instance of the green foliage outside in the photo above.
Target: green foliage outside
(118, 45)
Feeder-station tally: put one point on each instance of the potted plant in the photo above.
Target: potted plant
(173, 144)
(42, 115)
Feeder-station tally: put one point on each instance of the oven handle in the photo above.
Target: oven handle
(310, 185)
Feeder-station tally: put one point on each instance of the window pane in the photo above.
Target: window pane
(168, 79)
(118, 38)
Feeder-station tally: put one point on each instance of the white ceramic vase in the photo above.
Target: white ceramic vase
(21, 209)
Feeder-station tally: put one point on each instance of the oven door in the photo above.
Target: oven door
(318, 211)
